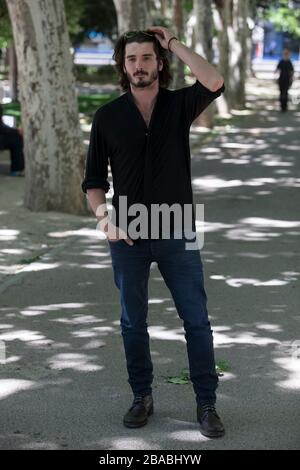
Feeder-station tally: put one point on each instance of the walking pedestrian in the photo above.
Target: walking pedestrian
(285, 79)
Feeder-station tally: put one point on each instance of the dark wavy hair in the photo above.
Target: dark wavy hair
(164, 76)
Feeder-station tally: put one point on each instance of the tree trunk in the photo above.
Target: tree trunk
(177, 64)
(251, 14)
(132, 14)
(233, 41)
(54, 155)
(222, 25)
(13, 71)
(203, 39)
(240, 27)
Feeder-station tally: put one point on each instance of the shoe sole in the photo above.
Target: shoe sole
(138, 425)
(215, 434)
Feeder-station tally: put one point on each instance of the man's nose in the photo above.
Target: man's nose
(139, 65)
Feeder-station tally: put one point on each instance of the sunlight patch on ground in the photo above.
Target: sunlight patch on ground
(33, 310)
(188, 435)
(241, 112)
(292, 366)
(8, 235)
(10, 386)
(237, 161)
(239, 282)
(93, 332)
(263, 222)
(80, 319)
(22, 335)
(78, 362)
(84, 232)
(210, 150)
(97, 266)
(157, 301)
(269, 327)
(212, 183)
(213, 226)
(13, 251)
(121, 443)
(262, 130)
(161, 332)
(10, 360)
(39, 267)
(237, 145)
(247, 337)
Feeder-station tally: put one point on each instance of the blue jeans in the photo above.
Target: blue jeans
(182, 272)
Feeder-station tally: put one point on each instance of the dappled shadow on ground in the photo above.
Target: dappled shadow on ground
(64, 383)
(65, 369)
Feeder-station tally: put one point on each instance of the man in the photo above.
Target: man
(285, 79)
(145, 135)
(12, 140)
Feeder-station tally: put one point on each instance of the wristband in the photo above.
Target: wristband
(173, 37)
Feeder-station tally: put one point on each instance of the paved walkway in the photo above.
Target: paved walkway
(64, 384)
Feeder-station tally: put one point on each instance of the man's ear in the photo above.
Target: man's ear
(160, 65)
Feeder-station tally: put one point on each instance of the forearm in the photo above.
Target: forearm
(206, 73)
(96, 198)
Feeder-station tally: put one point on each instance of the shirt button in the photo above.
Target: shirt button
(147, 134)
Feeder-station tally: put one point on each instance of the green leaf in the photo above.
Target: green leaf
(182, 379)
(222, 366)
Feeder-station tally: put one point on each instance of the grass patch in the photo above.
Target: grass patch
(184, 376)
(181, 379)
(222, 366)
(96, 74)
(30, 260)
(87, 104)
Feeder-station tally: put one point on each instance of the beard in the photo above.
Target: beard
(143, 80)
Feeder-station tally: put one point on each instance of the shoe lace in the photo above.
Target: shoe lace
(137, 400)
(209, 407)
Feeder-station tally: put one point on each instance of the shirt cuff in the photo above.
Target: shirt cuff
(101, 183)
(206, 90)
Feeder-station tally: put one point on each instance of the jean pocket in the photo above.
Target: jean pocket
(115, 242)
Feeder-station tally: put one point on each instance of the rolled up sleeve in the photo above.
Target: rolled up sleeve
(196, 99)
(96, 167)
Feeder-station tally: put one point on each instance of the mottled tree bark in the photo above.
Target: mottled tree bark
(13, 71)
(132, 14)
(234, 46)
(222, 25)
(177, 64)
(240, 28)
(203, 39)
(54, 157)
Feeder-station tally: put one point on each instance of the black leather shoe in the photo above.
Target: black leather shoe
(138, 413)
(210, 423)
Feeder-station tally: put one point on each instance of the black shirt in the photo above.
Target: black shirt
(286, 69)
(148, 164)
